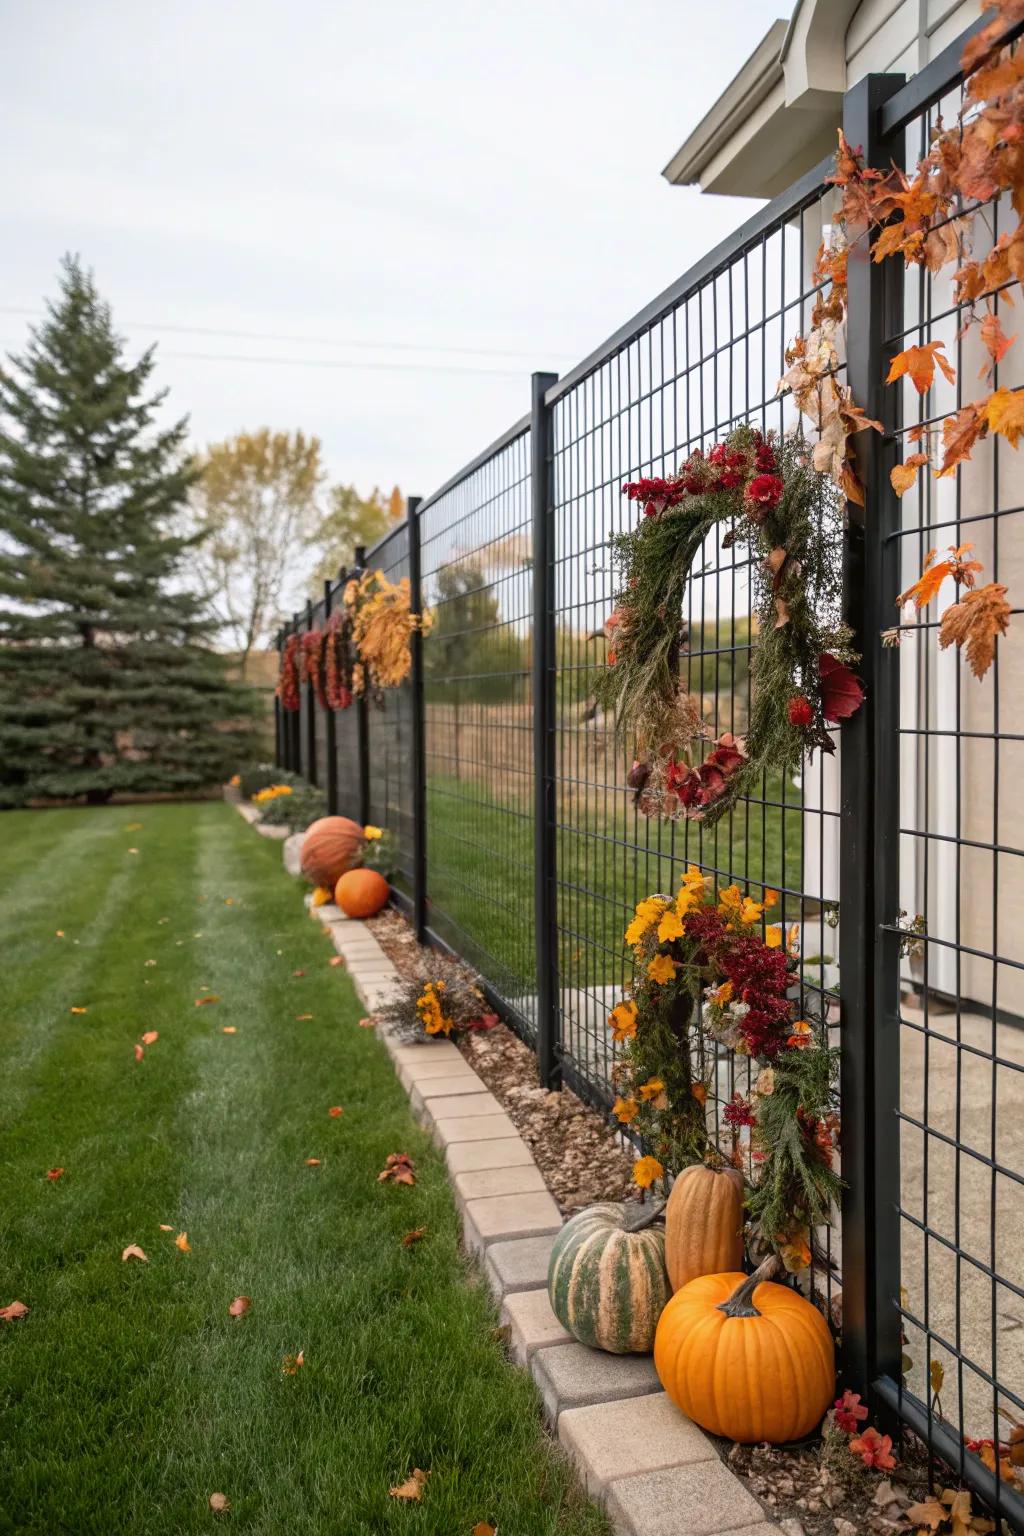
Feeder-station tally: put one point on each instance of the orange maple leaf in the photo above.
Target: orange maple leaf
(53, 1174)
(919, 364)
(413, 1486)
(959, 435)
(974, 623)
(293, 1363)
(150, 1036)
(13, 1312)
(995, 340)
(415, 1236)
(904, 476)
(240, 1306)
(1004, 413)
(133, 1251)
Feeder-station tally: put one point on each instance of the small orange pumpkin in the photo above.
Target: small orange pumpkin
(746, 1358)
(703, 1224)
(361, 892)
(330, 847)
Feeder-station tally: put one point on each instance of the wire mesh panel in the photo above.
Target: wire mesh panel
(954, 941)
(476, 555)
(708, 361)
(389, 731)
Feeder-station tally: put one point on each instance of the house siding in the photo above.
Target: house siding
(903, 35)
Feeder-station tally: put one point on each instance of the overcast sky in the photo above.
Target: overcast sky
(478, 187)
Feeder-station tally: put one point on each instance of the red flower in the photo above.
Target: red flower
(738, 1112)
(874, 1450)
(656, 494)
(849, 1412)
(764, 492)
(800, 711)
(700, 787)
(764, 458)
(611, 658)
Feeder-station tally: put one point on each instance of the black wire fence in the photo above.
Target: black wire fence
(900, 862)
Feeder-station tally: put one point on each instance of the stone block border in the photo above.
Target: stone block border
(655, 1473)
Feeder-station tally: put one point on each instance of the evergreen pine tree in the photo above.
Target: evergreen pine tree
(108, 682)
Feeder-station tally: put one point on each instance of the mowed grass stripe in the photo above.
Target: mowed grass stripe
(129, 1394)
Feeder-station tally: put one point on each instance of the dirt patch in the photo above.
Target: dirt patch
(580, 1157)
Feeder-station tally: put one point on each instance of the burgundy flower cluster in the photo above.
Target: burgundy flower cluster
(697, 788)
(760, 978)
(312, 663)
(750, 468)
(339, 658)
(738, 1112)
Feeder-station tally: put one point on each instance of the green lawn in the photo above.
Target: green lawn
(128, 1394)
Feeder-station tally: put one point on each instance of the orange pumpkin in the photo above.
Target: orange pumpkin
(361, 892)
(703, 1224)
(746, 1358)
(330, 847)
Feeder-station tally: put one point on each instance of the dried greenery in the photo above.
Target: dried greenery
(439, 996)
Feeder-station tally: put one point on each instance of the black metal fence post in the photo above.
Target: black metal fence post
(279, 744)
(310, 712)
(869, 811)
(545, 839)
(330, 746)
(419, 732)
(363, 721)
(295, 715)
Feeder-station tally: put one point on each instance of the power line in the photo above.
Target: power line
(324, 362)
(317, 341)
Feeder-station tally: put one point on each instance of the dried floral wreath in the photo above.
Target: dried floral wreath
(708, 972)
(363, 648)
(787, 512)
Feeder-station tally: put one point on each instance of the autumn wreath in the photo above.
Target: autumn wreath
(773, 499)
(710, 972)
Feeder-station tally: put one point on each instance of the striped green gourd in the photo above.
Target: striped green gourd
(607, 1280)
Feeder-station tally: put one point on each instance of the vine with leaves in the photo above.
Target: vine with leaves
(929, 219)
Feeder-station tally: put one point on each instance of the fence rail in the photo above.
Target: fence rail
(520, 848)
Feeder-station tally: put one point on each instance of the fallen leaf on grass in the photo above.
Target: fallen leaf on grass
(133, 850)
(484, 1528)
(60, 933)
(414, 1236)
(211, 997)
(165, 1228)
(133, 826)
(229, 1029)
(335, 1110)
(367, 1023)
(79, 1010)
(14, 1311)
(303, 1018)
(139, 1052)
(312, 1162)
(219, 1503)
(298, 973)
(229, 901)
(240, 1306)
(398, 1169)
(182, 1242)
(133, 1251)
(53, 1174)
(292, 1363)
(150, 1036)
(413, 1486)
(337, 960)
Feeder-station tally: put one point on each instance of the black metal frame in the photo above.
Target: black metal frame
(520, 851)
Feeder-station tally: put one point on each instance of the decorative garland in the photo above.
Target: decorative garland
(288, 680)
(312, 663)
(707, 969)
(783, 509)
(363, 648)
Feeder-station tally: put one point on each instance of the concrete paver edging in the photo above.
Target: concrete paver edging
(655, 1472)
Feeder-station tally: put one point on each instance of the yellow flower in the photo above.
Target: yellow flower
(646, 1170)
(625, 1110)
(661, 968)
(320, 897)
(647, 913)
(235, 780)
(801, 1035)
(750, 912)
(623, 1020)
(730, 900)
(652, 1091)
(700, 1092)
(771, 898)
(670, 927)
(694, 880)
(723, 994)
(687, 899)
(372, 834)
(432, 1016)
(271, 792)
(773, 936)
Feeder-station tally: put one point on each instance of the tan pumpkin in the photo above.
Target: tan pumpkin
(746, 1358)
(361, 892)
(330, 847)
(704, 1224)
